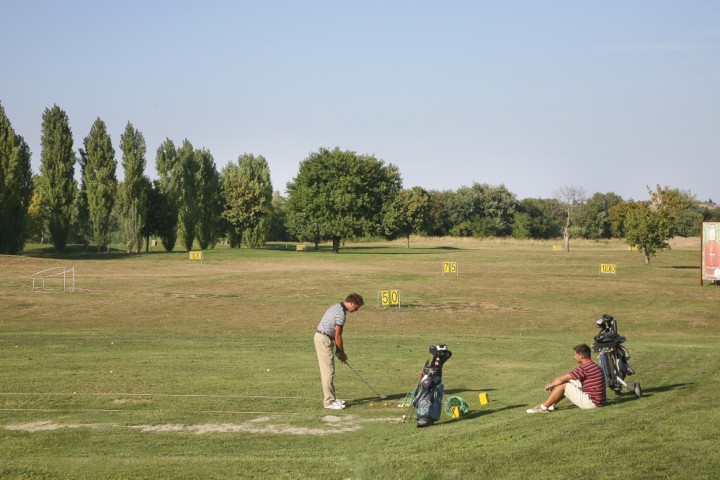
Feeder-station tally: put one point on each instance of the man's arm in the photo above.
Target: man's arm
(558, 381)
(339, 344)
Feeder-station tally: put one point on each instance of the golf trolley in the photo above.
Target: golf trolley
(614, 356)
(428, 396)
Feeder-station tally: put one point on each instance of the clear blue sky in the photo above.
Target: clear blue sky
(536, 95)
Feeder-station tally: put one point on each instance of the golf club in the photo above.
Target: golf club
(381, 397)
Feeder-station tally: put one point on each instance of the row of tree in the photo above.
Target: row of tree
(336, 194)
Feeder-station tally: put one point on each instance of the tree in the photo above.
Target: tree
(593, 217)
(247, 193)
(680, 208)
(36, 230)
(80, 208)
(158, 222)
(100, 182)
(537, 218)
(646, 228)
(186, 181)
(497, 211)
(166, 210)
(257, 170)
(570, 199)
(57, 185)
(339, 194)
(481, 210)
(209, 199)
(278, 224)
(16, 187)
(134, 193)
(406, 214)
(438, 223)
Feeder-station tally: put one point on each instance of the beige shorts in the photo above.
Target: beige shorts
(574, 393)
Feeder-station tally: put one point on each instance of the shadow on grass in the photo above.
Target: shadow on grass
(359, 249)
(646, 392)
(90, 253)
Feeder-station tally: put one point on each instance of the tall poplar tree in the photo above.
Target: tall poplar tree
(57, 169)
(208, 199)
(165, 217)
(134, 193)
(100, 182)
(16, 187)
(187, 181)
(257, 171)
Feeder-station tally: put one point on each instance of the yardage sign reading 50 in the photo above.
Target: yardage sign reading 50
(389, 297)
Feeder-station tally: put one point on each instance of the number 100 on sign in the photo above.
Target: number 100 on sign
(608, 268)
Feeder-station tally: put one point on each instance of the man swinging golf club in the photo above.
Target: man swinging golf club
(329, 335)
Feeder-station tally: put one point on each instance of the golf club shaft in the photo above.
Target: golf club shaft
(381, 397)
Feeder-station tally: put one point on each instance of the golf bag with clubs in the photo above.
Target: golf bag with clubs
(428, 397)
(613, 356)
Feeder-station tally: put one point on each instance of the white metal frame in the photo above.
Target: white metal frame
(38, 279)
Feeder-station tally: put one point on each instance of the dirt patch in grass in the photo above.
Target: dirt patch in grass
(333, 425)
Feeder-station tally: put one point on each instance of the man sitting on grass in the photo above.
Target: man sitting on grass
(584, 386)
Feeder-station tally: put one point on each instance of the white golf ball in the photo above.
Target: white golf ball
(403, 417)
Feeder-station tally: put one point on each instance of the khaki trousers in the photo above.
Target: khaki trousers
(326, 360)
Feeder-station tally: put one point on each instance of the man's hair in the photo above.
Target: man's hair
(582, 349)
(355, 298)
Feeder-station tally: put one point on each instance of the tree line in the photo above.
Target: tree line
(336, 194)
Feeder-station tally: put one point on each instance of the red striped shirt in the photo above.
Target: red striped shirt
(592, 379)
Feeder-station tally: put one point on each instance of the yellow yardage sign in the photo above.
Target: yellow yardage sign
(197, 255)
(449, 267)
(389, 297)
(557, 248)
(300, 247)
(633, 248)
(607, 268)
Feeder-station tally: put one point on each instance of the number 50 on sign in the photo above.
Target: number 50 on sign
(389, 297)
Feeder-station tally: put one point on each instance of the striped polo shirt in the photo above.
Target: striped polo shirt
(593, 381)
(335, 315)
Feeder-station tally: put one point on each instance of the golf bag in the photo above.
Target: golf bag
(429, 391)
(613, 356)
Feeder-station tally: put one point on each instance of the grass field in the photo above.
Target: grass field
(159, 367)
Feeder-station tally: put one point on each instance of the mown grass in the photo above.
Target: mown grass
(158, 367)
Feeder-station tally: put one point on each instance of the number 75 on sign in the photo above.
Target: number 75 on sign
(450, 267)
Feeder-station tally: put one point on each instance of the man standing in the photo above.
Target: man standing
(584, 386)
(329, 334)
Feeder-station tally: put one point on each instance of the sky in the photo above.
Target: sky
(610, 96)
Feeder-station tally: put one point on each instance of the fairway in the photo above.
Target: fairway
(157, 366)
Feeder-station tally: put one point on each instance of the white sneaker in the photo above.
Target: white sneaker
(337, 400)
(551, 408)
(538, 409)
(335, 406)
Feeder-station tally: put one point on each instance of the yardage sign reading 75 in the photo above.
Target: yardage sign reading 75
(450, 267)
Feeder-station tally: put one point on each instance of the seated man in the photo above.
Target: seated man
(584, 386)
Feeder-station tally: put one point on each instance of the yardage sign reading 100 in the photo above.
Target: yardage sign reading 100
(608, 268)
